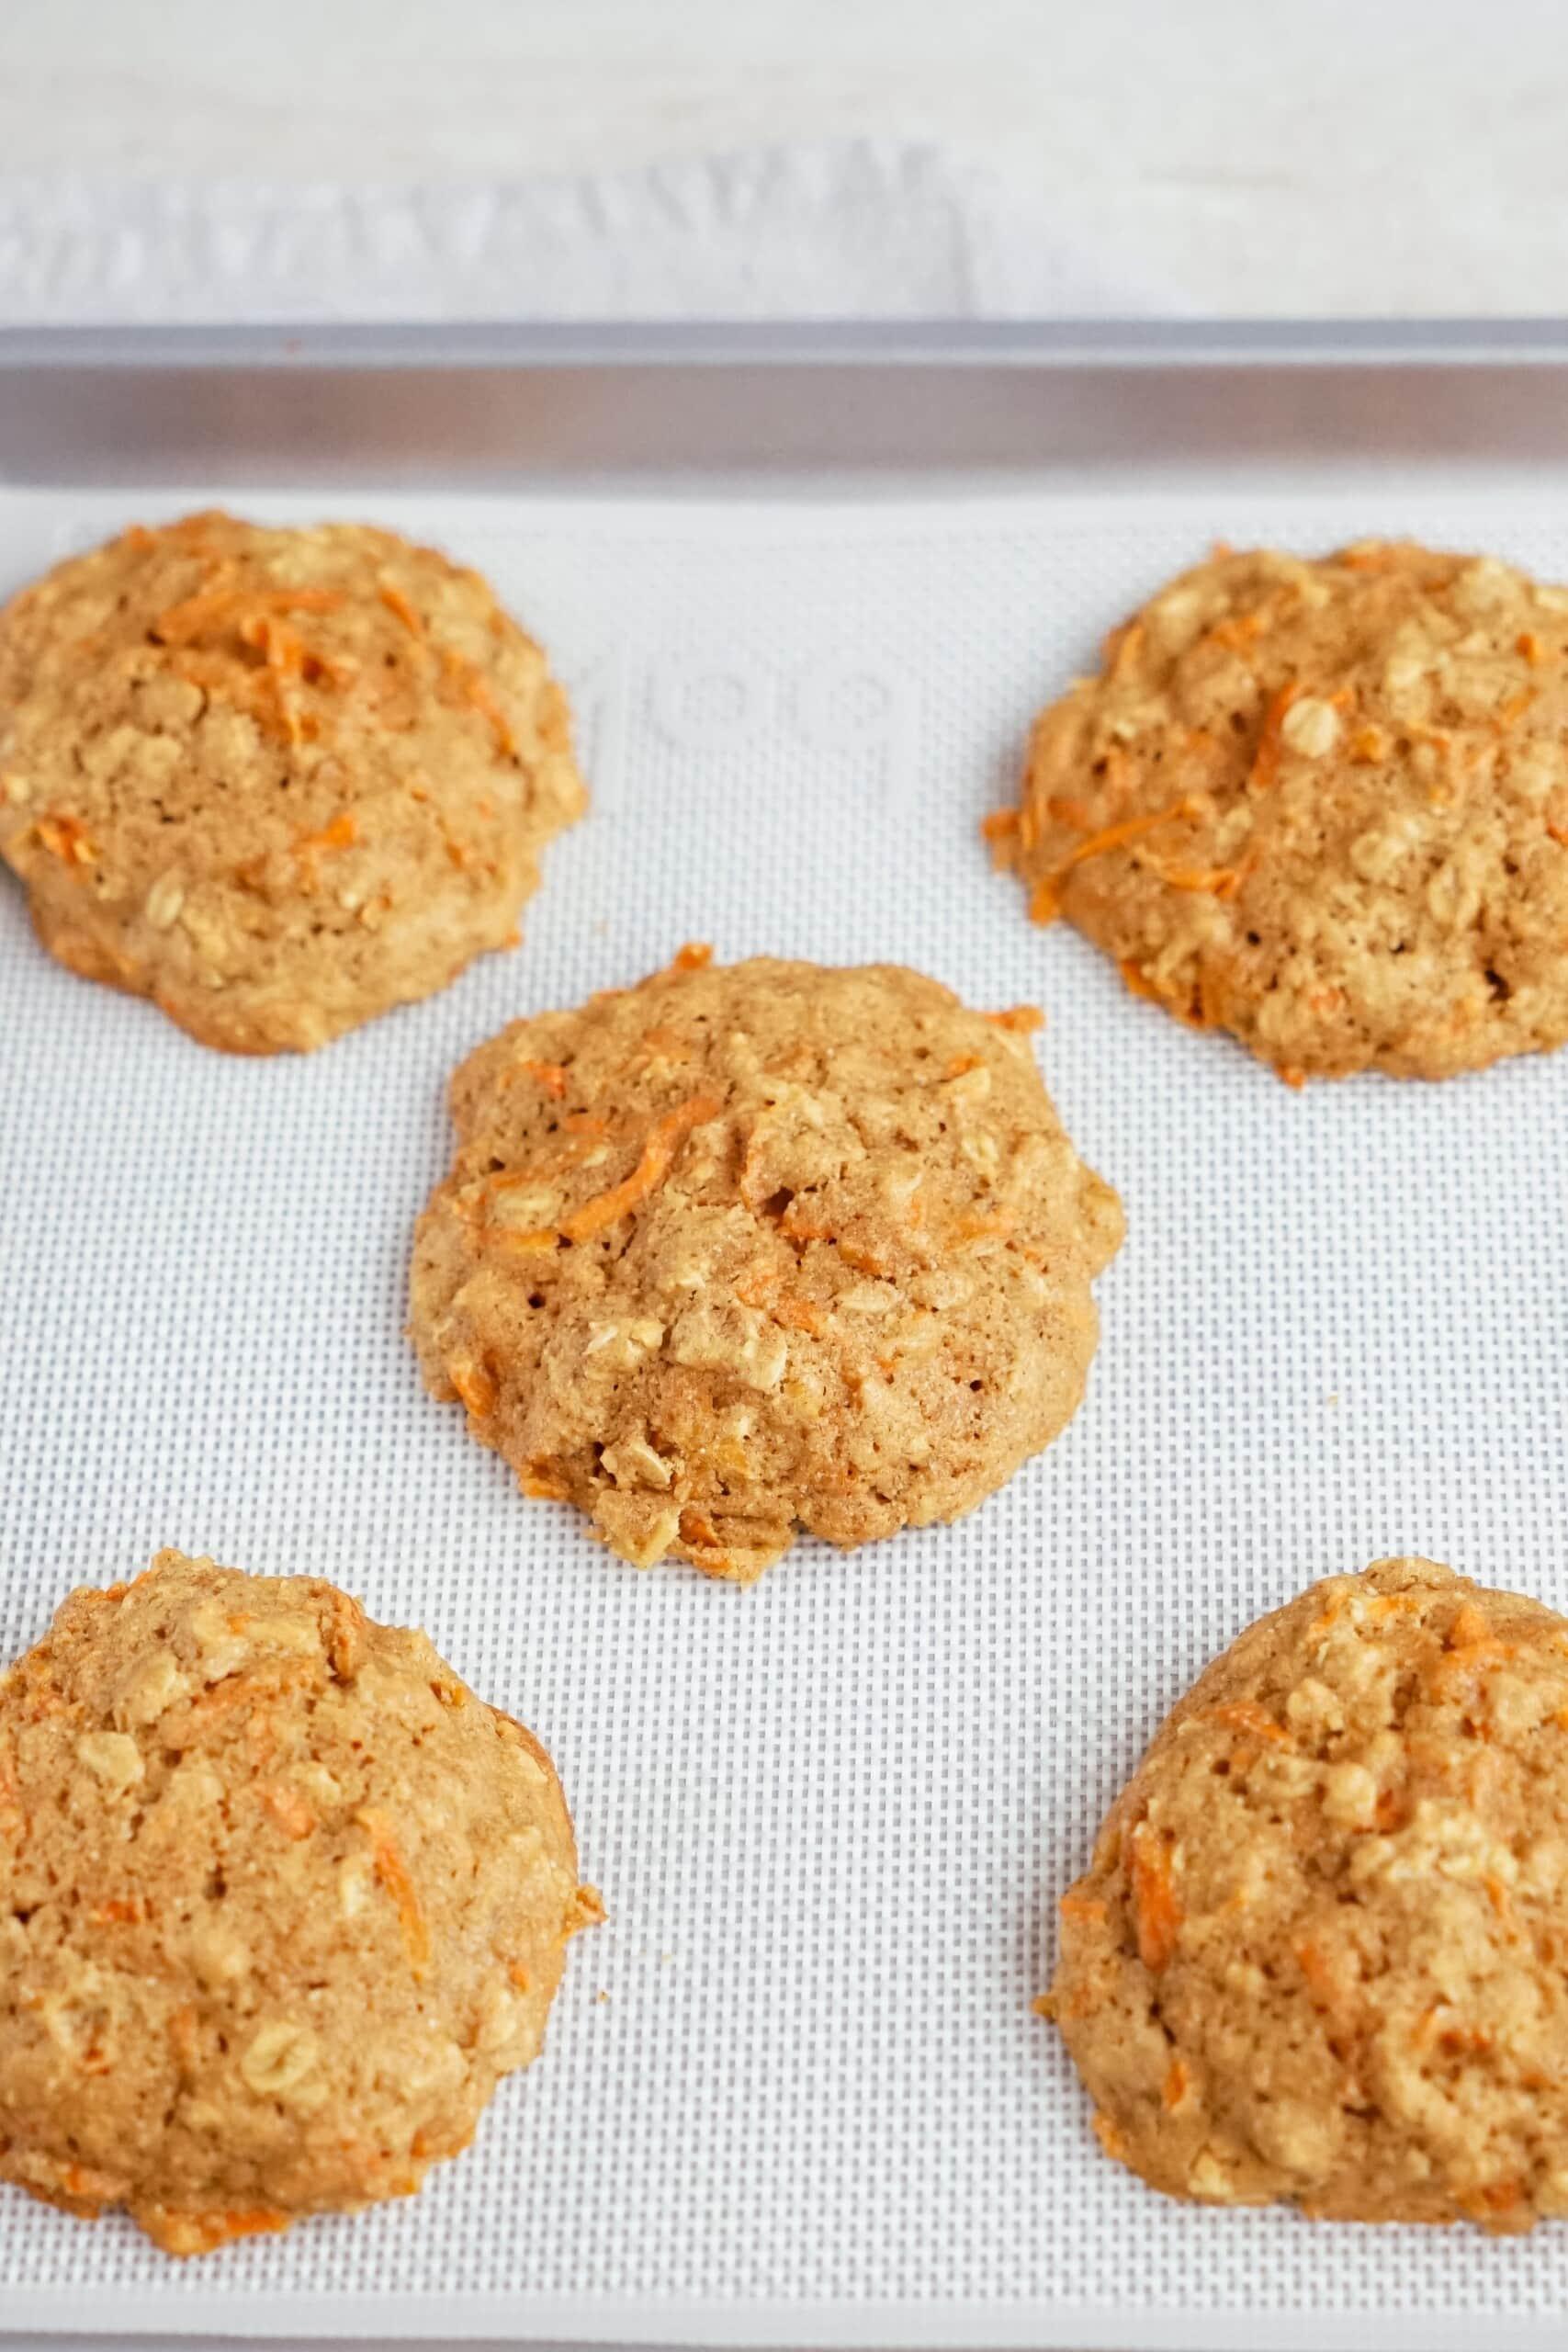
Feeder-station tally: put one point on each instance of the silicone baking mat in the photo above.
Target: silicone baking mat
(794, 2087)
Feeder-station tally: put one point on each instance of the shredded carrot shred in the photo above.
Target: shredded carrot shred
(551, 1076)
(1045, 903)
(120, 1911)
(1001, 825)
(344, 1635)
(1468, 1629)
(1174, 2088)
(286, 654)
(1220, 881)
(10, 1791)
(393, 1873)
(1529, 645)
(1157, 1910)
(1021, 1018)
(545, 1484)
(474, 688)
(960, 1065)
(520, 1976)
(1083, 1910)
(802, 1314)
(1124, 646)
(664, 1141)
(67, 839)
(695, 956)
(473, 1386)
(1289, 1075)
(1134, 977)
(697, 1528)
(982, 1226)
(1266, 758)
(342, 834)
(800, 1227)
(1238, 632)
(1321, 1980)
(396, 602)
(222, 602)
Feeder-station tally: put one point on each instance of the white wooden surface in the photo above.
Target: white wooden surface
(1245, 155)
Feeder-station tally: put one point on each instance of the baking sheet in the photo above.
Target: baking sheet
(794, 2091)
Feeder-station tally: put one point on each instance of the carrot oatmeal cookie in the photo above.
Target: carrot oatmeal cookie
(1321, 1954)
(1323, 804)
(745, 1250)
(277, 780)
(280, 1903)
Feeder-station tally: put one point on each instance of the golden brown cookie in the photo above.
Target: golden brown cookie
(1321, 1954)
(1324, 806)
(745, 1250)
(277, 780)
(280, 1903)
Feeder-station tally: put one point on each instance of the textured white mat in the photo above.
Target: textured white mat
(830, 1814)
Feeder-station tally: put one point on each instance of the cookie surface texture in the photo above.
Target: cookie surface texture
(1321, 1954)
(1323, 804)
(277, 780)
(752, 1249)
(280, 1903)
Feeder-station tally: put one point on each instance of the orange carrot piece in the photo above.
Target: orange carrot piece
(665, 1139)
(67, 839)
(393, 1873)
(1045, 903)
(473, 1386)
(695, 956)
(1266, 758)
(342, 834)
(1157, 1910)
(802, 1314)
(1174, 2088)
(392, 596)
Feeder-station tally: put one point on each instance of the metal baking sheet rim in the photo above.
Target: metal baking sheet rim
(1044, 342)
(767, 2326)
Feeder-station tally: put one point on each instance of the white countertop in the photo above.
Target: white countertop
(1243, 156)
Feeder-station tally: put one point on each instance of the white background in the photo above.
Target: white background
(1371, 156)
